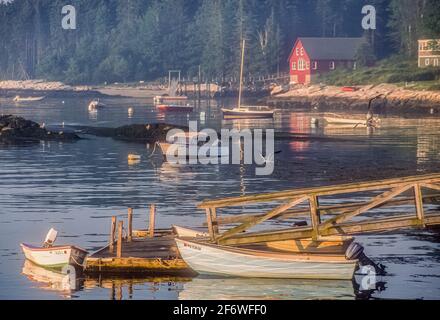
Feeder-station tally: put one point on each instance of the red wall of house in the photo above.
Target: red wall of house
(299, 53)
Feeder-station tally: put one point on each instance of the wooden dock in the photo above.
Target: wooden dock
(152, 252)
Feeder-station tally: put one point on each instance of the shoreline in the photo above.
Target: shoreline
(394, 101)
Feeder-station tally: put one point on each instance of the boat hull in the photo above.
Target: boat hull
(54, 257)
(174, 108)
(217, 260)
(30, 99)
(246, 114)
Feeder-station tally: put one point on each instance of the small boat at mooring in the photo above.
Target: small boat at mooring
(95, 105)
(162, 99)
(246, 112)
(174, 108)
(55, 257)
(212, 259)
(28, 99)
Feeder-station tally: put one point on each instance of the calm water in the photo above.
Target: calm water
(77, 187)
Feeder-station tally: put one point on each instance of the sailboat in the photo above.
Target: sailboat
(246, 112)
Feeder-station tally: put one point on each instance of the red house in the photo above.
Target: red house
(313, 56)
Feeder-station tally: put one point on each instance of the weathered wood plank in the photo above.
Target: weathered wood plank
(152, 220)
(271, 214)
(353, 228)
(324, 210)
(130, 225)
(321, 191)
(419, 202)
(314, 215)
(382, 198)
(112, 235)
(119, 243)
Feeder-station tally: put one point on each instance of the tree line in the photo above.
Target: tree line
(132, 40)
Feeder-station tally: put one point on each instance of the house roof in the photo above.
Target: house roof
(331, 48)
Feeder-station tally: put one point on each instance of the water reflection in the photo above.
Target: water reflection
(47, 279)
(265, 289)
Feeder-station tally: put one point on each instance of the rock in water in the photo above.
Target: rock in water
(13, 128)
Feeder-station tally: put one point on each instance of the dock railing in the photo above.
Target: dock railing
(385, 193)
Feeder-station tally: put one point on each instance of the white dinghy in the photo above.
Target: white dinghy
(213, 259)
(56, 257)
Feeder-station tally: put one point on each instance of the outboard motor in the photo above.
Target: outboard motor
(50, 238)
(356, 251)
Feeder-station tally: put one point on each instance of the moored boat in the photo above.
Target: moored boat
(174, 108)
(212, 259)
(95, 105)
(55, 257)
(248, 113)
(27, 99)
(162, 99)
(322, 245)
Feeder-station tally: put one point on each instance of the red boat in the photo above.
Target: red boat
(349, 89)
(174, 108)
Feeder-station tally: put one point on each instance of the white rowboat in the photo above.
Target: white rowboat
(54, 257)
(228, 261)
(28, 99)
(189, 233)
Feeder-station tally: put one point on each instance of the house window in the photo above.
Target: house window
(293, 65)
(308, 65)
(315, 65)
(332, 65)
(436, 63)
(301, 64)
(427, 62)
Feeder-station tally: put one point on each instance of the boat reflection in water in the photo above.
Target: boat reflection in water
(65, 283)
(208, 288)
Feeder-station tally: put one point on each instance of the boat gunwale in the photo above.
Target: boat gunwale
(288, 257)
(35, 248)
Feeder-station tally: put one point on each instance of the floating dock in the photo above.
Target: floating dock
(152, 252)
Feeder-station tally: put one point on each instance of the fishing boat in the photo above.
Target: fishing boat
(174, 108)
(95, 105)
(162, 99)
(246, 112)
(27, 99)
(56, 257)
(322, 245)
(183, 143)
(212, 259)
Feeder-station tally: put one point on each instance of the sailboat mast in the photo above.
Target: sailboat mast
(241, 74)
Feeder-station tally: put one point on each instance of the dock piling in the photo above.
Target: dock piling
(130, 225)
(112, 234)
(119, 243)
(152, 221)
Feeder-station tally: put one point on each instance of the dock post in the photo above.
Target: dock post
(119, 244)
(419, 202)
(315, 217)
(152, 221)
(130, 225)
(210, 224)
(112, 234)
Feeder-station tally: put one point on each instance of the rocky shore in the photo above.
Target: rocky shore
(11, 88)
(16, 129)
(394, 100)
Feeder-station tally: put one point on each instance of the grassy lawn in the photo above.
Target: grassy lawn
(394, 70)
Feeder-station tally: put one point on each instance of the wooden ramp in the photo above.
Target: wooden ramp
(347, 218)
(150, 252)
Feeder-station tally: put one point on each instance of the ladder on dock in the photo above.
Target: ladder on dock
(348, 218)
